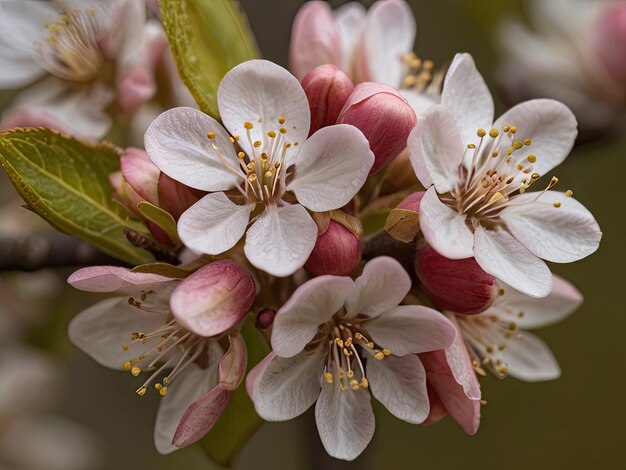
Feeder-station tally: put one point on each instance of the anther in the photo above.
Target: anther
(328, 377)
(557, 204)
(248, 125)
(481, 133)
(281, 120)
(211, 135)
(527, 142)
(493, 133)
(257, 143)
(513, 129)
(135, 371)
(471, 146)
(163, 391)
(569, 193)
(501, 292)
(241, 154)
(532, 158)
(141, 391)
(517, 145)
(379, 355)
(271, 134)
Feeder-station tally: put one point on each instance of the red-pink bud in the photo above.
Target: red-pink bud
(384, 117)
(214, 298)
(459, 286)
(327, 88)
(337, 251)
(610, 41)
(265, 318)
(141, 174)
(175, 197)
(403, 222)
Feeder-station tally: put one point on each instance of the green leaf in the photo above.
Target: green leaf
(239, 421)
(66, 182)
(162, 218)
(207, 38)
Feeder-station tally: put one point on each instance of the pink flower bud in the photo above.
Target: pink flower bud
(327, 88)
(141, 174)
(610, 41)
(459, 286)
(384, 117)
(265, 318)
(337, 251)
(175, 197)
(403, 222)
(214, 298)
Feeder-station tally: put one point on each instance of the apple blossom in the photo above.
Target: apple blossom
(78, 59)
(337, 342)
(265, 189)
(477, 174)
(184, 326)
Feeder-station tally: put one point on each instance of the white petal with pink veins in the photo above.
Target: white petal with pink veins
(528, 358)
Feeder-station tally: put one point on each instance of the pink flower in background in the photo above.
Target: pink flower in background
(161, 324)
(80, 59)
(477, 172)
(337, 342)
(264, 190)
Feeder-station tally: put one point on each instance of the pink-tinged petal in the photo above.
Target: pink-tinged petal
(610, 40)
(437, 410)
(500, 254)
(115, 278)
(177, 142)
(389, 33)
(345, 421)
(314, 39)
(466, 94)
(192, 383)
(331, 167)
(286, 387)
(444, 228)
(560, 303)
(382, 286)
(261, 92)
(214, 224)
(435, 149)
(135, 88)
(384, 117)
(122, 35)
(281, 239)
(204, 412)
(460, 364)
(529, 359)
(399, 383)
(349, 21)
(464, 410)
(141, 174)
(103, 328)
(549, 124)
(560, 234)
(214, 298)
(255, 374)
(313, 303)
(459, 285)
(327, 88)
(175, 197)
(411, 329)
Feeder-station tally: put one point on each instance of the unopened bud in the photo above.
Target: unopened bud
(403, 222)
(337, 251)
(459, 285)
(265, 318)
(141, 174)
(214, 298)
(327, 88)
(610, 41)
(384, 117)
(175, 197)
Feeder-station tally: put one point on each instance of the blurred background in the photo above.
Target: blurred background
(574, 422)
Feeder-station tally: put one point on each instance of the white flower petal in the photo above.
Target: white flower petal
(177, 143)
(287, 387)
(466, 94)
(411, 329)
(349, 21)
(549, 124)
(214, 224)
(313, 303)
(389, 33)
(460, 363)
(435, 149)
(345, 421)
(420, 102)
(529, 359)
(560, 303)
(331, 167)
(261, 92)
(190, 385)
(445, 229)
(559, 234)
(382, 286)
(103, 328)
(281, 239)
(501, 255)
(399, 383)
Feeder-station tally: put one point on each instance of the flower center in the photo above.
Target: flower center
(167, 347)
(70, 49)
(262, 173)
(495, 173)
(344, 364)
(419, 74)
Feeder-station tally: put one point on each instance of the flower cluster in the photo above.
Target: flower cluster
(262, 213)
